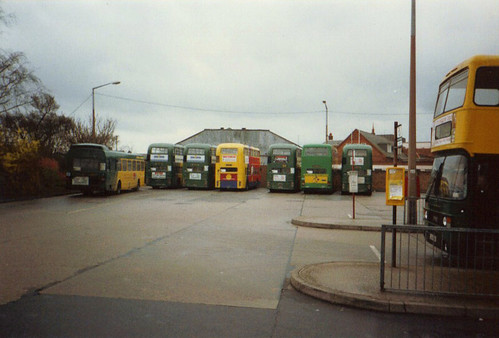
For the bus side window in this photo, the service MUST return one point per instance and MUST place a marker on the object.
(118, 165)
(112, 164)
(129, 165)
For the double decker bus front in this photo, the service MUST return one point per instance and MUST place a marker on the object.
(463, 191)
(158, 165)
(230, 168)
(357, 158)
(199, 167)
(282, 169)
(87, 168)
(317, 165)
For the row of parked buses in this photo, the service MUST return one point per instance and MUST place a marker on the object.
(311, 168)
(203, 166)
(95, 168)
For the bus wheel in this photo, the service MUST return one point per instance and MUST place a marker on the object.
(118, 188)
(138, 185)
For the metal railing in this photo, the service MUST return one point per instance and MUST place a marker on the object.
(419, 209)
(438, 260)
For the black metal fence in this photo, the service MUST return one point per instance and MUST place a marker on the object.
(439, 260)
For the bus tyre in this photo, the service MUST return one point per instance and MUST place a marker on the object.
(118, 188)
(138, 185)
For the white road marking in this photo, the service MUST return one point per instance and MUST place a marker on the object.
(376, 252)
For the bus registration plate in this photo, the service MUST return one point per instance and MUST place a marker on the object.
(279, 178)
(80, 180)
(158, 175)
(195, 176)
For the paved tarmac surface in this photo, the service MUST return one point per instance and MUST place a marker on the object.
(358, 284)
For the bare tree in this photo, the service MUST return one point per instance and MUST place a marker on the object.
(17, 82)
(82, 132)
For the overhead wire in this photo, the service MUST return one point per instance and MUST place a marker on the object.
(247, 112)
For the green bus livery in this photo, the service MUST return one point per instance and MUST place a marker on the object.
(199, 166)
(95, 168)
(164, 165)
(317, 168)
(357, 158)
(284, 167)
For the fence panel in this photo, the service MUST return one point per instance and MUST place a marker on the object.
(438, 260)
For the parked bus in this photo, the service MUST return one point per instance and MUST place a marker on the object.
(199, 166)
(94, 168)
(358, 158)
(237, 167)
(463, 191)
(317, 168)
(284, 167)
(164, 165)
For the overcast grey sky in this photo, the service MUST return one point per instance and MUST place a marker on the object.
(189, 65)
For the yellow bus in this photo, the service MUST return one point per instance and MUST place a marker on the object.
(237, 166)
(94, 168)
(463, 190)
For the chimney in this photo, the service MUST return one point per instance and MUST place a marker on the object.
(373, 130)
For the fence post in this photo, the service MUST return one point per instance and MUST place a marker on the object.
(382, 259)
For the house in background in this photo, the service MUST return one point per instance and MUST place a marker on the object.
(383, 155)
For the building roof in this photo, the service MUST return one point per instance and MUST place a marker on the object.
(260, 138)
(381, 142)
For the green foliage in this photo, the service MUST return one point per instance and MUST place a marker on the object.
(32, 133)
(19, 166)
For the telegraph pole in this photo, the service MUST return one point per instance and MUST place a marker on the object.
(412, 211)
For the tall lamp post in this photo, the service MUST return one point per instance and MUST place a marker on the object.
(326, 118)
(93, 105)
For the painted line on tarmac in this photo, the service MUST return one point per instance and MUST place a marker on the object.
(376, 252)
(80, 210)
(91, 208)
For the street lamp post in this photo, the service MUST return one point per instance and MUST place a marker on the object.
(326, 119)
(93, 105)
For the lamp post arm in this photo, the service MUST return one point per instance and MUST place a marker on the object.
(93, 104)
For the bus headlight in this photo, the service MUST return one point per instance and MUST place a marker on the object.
(446, 221)
(426, 214)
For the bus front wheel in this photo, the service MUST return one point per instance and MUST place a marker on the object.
(118, 188)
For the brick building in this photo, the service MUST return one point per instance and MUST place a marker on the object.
(383, 155)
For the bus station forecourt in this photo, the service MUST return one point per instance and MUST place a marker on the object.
(356, 284)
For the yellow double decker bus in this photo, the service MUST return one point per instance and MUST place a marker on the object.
(464, 188)
(237, 166)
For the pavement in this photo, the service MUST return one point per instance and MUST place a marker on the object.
(357, 284)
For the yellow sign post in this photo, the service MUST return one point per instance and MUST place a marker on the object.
(395, 187)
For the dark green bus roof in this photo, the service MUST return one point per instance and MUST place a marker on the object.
(105, 150)
(199, 145)
(317, 145)
(163, 145)
(356, 146)
(283, 146)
